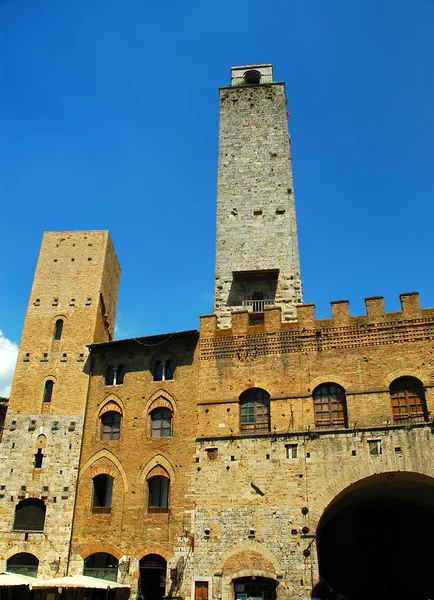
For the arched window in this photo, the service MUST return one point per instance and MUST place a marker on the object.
(30, 515)
(164, 370)
(408, 399)
(114, 375)
(161, 419)
(330, 405)
(110, 425)
(158, 494)
(102, 493)
(23, 563)
(255, 410)
(252, 77)
(48, 390)
(101, 565)
(58, 329)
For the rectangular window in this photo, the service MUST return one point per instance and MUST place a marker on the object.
(375, 448)
(291, 450)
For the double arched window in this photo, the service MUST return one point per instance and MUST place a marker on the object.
(164, 370)
(408, 399)
(30, 515)
(330, 404)
(255, 410)
(114, 375)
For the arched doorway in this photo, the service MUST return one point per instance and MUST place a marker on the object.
(259, 588)
(23, 563)
(152, 583)
(375, 539)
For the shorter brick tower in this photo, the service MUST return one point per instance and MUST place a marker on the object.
(72, 304)
(257, 260)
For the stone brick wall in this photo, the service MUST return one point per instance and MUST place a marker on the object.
(256, 223)
(77, 273)
(253, 493)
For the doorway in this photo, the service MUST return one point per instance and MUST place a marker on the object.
(152, 583)
(375, 539)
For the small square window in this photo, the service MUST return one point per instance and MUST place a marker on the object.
(291, 450)
(375, 448)
(72, 302)
(37, 302)
(55, 301)
(88, 301)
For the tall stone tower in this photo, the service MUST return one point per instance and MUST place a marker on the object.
(257, 259)
(72, 304)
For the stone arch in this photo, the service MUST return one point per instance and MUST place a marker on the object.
(154, 549)
(22, 548)
(390, 377)
(249, 548)
(107, 548)
(91, 462)
(370, 526)
(59, 316)
(167, 400)
(112, 403)
(344, 479)
(336, 378)
(253, 384)
(254, 573)
(158, 461)
(115, 400)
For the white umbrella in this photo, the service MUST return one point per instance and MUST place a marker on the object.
(77, 581)
(14, 579)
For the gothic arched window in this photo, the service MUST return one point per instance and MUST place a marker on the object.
(102, 493)
(161, 419)
(111, 425)
(158, 488)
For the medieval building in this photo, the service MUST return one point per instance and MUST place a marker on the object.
(239, 461)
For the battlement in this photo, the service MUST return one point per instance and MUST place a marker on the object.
(270, 321)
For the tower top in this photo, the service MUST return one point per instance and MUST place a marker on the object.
(252, 74)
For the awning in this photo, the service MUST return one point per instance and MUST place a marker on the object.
(77, 581)
(13, 579)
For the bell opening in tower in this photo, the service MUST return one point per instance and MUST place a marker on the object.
(253, 290)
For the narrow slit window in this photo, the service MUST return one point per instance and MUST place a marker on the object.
(58, 329)
(48, 390)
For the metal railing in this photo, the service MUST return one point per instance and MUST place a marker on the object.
(257, 306)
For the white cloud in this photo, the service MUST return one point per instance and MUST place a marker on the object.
(8, 358)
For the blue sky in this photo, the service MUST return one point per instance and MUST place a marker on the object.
(109, 120)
